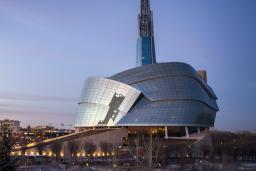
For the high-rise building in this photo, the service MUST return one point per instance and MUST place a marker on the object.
(11, 125)
(145, 43)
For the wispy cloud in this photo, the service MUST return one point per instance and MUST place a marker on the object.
(8, 105)
(32, 109)
(38, 118)
(34, 97)
(32, 113)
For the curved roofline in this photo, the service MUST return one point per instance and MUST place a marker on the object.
(167, 76)
(217, 109)
(205, 85)
(163, 124)
(118, 82)
(159, 63)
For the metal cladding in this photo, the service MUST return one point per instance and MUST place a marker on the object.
(145, 42)
(173, 95)
(162, 94)
(104, 102)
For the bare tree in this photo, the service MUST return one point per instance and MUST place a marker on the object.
(145, 149)
(134, 147)
(40, 148)
(114, 153)
(56, 149)
(106, 147)
(151, 146)
(90, 148)
(7, 163)
(73, 148)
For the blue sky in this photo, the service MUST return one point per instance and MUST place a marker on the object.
(48, 48)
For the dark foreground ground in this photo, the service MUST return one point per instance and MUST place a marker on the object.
(198, 166)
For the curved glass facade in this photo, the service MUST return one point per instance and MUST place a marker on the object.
(169, 113)
(174, 95)
(175, 88)
(104, 102)
(162, 94)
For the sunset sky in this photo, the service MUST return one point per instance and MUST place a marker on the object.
(48, 48)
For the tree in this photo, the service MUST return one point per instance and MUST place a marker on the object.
(145, 148)
(114, 153)
(73, 148)
(7, 163)
(111, 149)
(151, 147)
(134, 149)
(40, 148)
(106, 147)
(90, 148)
(56, 149)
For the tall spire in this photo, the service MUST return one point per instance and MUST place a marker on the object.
(145, 19)
(145, 43)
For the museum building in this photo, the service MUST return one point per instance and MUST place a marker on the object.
(172, 96)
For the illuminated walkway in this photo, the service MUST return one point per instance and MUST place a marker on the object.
(65, 138)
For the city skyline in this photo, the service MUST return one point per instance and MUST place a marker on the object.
(48, 49)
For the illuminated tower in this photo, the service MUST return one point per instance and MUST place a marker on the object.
(145, 43)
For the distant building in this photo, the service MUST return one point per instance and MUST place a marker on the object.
(43, 129)
(12, 125)
(39, 133)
